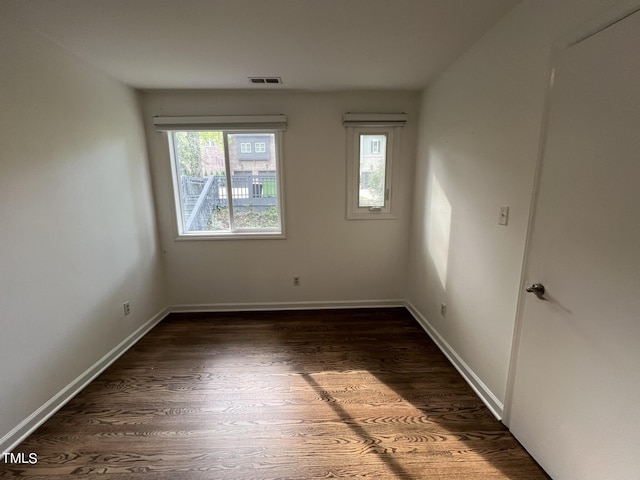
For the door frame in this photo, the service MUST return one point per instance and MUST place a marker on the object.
(603, 21)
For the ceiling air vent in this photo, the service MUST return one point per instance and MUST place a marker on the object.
(265, 80)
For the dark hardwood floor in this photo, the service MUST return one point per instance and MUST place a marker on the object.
(278, 395)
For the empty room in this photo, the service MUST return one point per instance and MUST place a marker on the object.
(300, 239)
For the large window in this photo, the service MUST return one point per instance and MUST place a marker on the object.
(370, 150)
(219, 194)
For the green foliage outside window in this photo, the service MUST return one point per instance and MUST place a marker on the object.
(189, 147)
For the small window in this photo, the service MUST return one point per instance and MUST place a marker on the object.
(372, 144)
(215, 195)
(372, 167)
(261, 147)
(245, 147)
(369, 172)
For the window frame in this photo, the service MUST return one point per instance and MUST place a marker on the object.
(232, 233)
(354, 211)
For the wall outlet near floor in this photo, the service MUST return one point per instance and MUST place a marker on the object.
(126, 307)
(443, 310)
(296, 281)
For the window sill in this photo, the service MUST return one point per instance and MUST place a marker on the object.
(371, 216)
(231, 236)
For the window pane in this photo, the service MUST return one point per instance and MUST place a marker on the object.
(254, 183)
(200, 158)
(202, 166)
(373, 165)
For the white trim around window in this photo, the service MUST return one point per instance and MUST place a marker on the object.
(370, 171)
(364, 200)
(211, 202)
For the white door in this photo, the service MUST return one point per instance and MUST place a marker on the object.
(575, 398)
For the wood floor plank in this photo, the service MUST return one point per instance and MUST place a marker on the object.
(278, 395)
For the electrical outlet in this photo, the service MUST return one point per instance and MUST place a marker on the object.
(126, 307)
(443, 310)
(296, 281)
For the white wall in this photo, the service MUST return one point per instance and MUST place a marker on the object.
(77, 228)
(337, 260)
(478, 147)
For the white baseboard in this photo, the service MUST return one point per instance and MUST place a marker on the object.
(486, 395)
(320, 305)
(55, 403)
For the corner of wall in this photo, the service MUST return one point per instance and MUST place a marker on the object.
(495, 406)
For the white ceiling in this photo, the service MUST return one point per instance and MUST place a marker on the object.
(311, 44)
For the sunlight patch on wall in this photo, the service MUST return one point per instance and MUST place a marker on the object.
(439, 229)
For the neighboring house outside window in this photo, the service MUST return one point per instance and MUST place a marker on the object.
(375, 146)
(253, 147)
